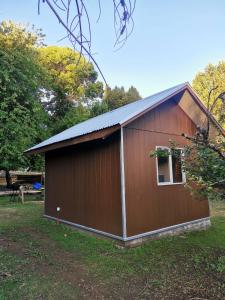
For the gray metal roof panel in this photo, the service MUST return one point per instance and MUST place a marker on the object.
(111, 118)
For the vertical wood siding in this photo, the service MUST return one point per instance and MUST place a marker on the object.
(84, 181)
(149, 206)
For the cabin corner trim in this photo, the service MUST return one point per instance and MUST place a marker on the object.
(122, 182)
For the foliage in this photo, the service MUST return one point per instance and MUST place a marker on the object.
(205, 155)
(22, 117)
(114, 98)
(71, 117)
(209, 84)
(118, 97)
(18, 36)
(98, 108)
(205, 167)
(44, 90)
(71, 75)
(72, 86)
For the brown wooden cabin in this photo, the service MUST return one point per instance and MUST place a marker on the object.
(101, 178)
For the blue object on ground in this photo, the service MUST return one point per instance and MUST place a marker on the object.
(37, 185)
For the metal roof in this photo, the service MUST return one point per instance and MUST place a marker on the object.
(115, 117)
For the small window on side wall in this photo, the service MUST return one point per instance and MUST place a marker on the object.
(169, 166)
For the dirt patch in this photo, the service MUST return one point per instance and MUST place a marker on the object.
(217, 209)
(8, 213)
(46, 258)
(12, 247)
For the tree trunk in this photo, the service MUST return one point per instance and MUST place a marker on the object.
(8, 178)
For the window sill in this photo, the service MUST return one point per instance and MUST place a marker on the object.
(171, 183)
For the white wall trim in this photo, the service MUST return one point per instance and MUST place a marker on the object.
(130, 238)
(122, 182)
(85, 228)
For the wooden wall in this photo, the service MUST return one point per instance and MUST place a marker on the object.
(84, 180)
(149, 206)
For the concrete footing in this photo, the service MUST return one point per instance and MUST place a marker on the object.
(201, 224)
(134, 241)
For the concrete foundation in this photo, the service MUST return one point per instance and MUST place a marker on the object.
(137, 240)
(201, 224)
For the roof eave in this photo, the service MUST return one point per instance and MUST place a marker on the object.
(98, 134)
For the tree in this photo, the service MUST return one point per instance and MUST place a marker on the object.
(132, 94)
(209, 84)
(98, 108)
(18, 36)
(74, 93)
(205, 165)
(205, 155)
(73, 15)
(118, 97)
(73, 116)
(22, 117)
(73, 86)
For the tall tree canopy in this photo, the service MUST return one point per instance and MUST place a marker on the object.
(70, 73)
(73, 86)
(44, 90)
(205, 159)
(22, 118)
(117, 96)
(209, 84)
(18, 36)
(114, 98)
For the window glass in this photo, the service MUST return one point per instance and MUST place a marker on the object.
(177, 166)
(163, 166)
(170, 165)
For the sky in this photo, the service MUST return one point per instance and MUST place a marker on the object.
(172, 39)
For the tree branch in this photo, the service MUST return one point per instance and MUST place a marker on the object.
(70, 16)
(207, 144)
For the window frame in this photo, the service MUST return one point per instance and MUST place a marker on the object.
(170, 167)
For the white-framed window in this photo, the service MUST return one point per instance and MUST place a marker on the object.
(169, 166)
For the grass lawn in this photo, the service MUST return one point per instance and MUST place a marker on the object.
(42, 260)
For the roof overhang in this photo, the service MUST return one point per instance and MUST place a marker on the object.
(99, 134)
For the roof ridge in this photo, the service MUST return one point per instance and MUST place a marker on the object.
(138, 100)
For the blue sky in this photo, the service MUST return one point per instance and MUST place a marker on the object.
(172, 40)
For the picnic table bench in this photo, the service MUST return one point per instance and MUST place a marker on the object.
(20, 188)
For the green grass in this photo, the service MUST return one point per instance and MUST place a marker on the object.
(44, 256)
